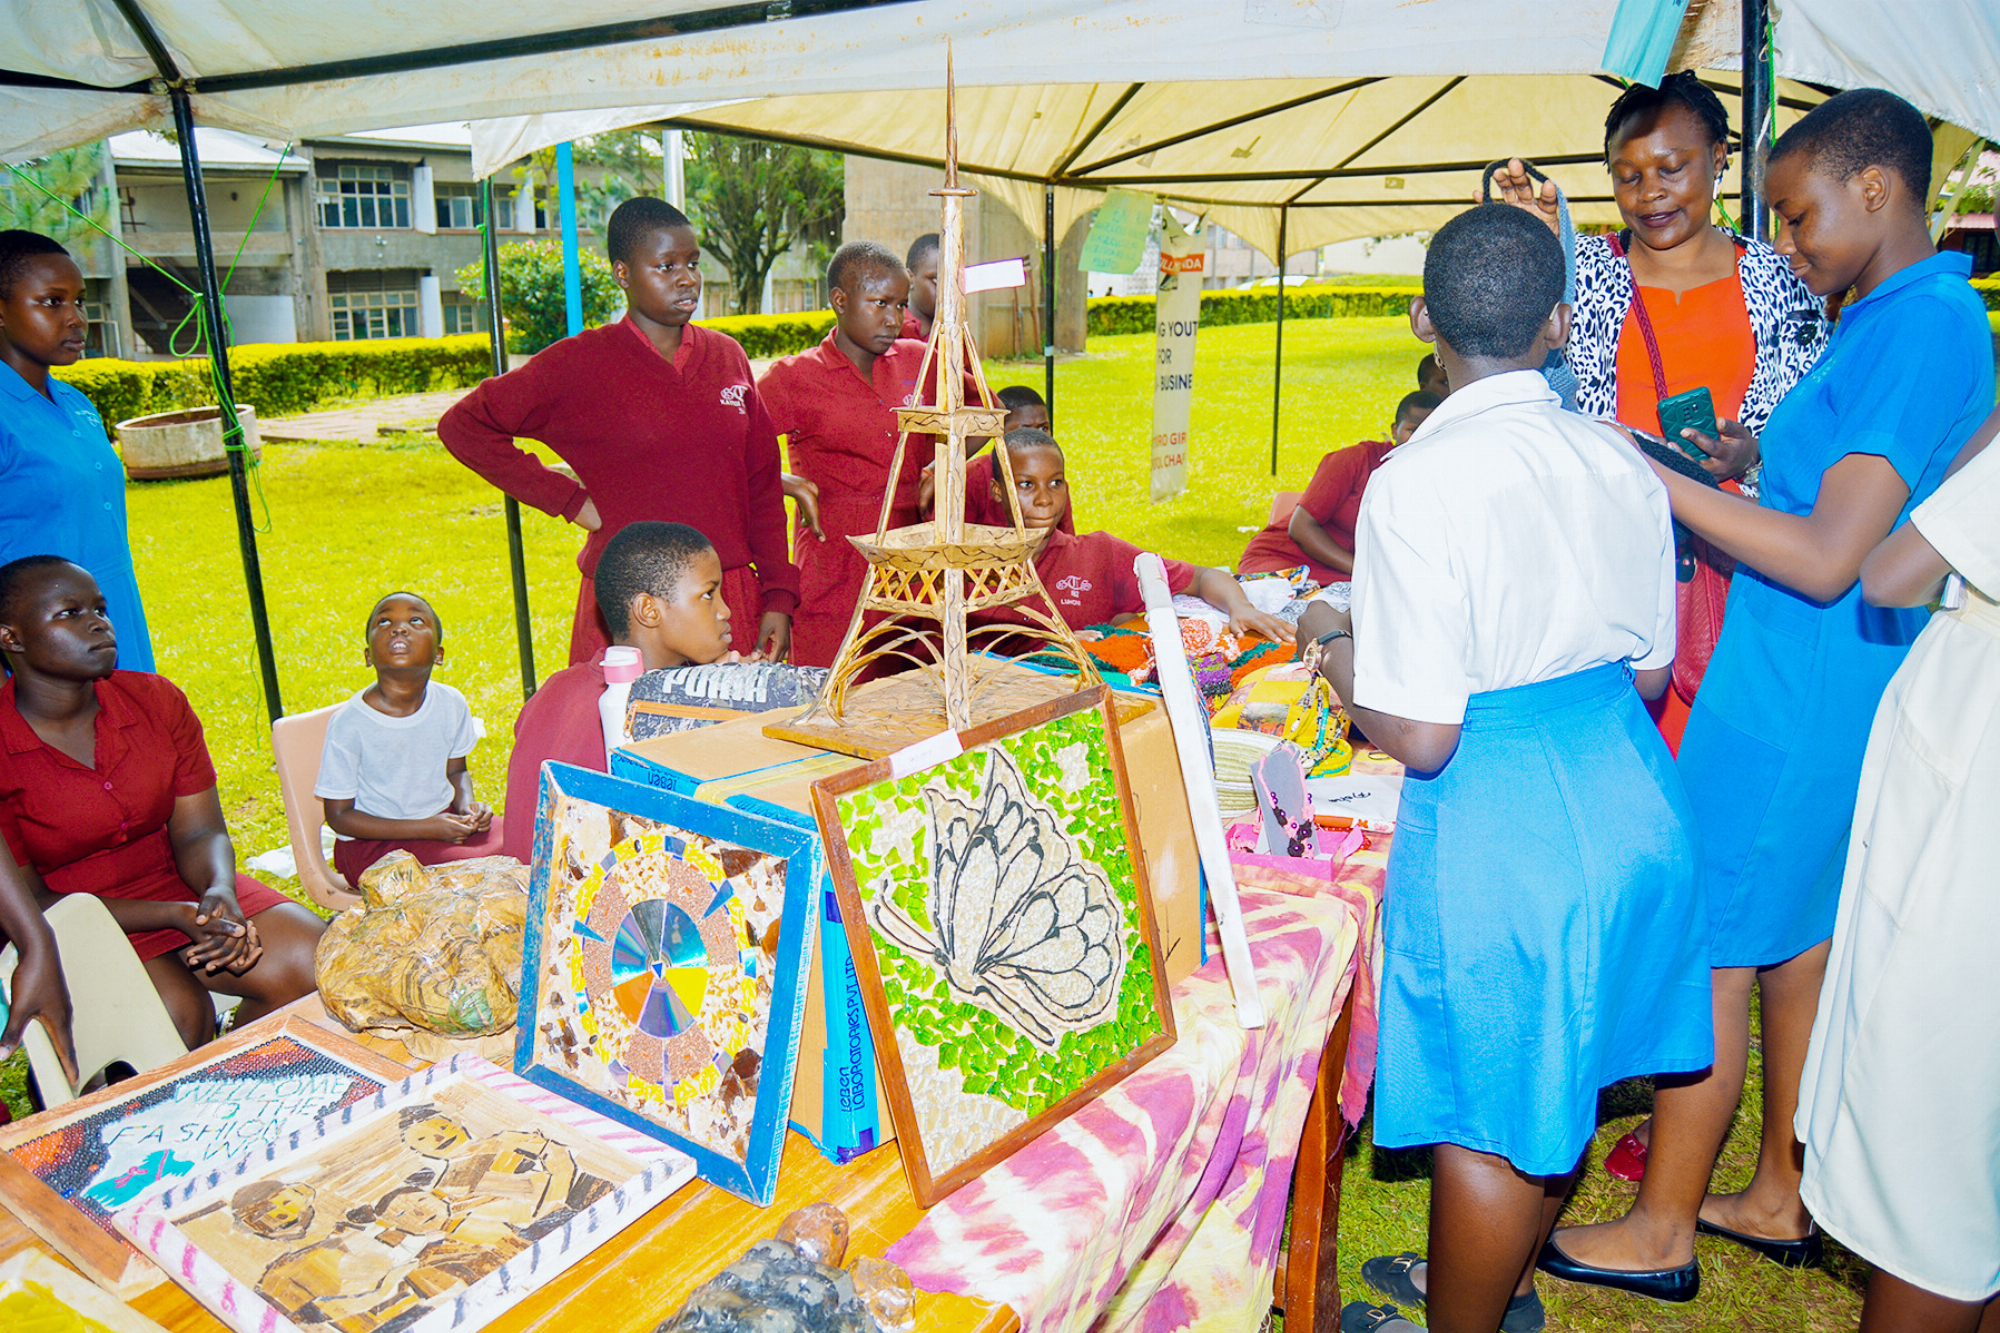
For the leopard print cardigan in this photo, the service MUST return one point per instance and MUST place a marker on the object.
(1788, 322)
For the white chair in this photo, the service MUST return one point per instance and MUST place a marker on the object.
(296, 742)
(116, 1015)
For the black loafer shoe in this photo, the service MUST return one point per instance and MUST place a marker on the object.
(1806, 1253)
(1664, 1284)
(1390, 1275)
(1361, 1317)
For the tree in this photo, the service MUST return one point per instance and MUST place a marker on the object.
(75, 176)
(752, 200)
(532, 300)
(629, 164)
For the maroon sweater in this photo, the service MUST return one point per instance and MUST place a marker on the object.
(686, 441)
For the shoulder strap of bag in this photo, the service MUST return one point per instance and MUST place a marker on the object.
(1645, 325)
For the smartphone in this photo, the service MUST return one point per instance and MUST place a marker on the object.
(1694, 408)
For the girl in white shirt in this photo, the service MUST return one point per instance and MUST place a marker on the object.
(1544, 937)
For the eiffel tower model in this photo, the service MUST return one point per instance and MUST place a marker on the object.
(925, 580)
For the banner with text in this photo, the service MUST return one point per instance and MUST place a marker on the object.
(1182, 253)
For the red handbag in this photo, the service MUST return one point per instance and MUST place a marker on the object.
(1702, 571)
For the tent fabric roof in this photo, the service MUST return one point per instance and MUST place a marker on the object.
(245, 57)
(1325, 106)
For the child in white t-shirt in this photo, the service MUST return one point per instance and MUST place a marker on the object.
(393, 772)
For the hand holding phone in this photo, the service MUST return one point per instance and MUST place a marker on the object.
(1694, 409)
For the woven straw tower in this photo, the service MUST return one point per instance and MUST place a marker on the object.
(926, 579)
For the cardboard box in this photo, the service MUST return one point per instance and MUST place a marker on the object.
(837, 1099)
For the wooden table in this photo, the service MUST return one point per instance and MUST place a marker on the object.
(642, 1274)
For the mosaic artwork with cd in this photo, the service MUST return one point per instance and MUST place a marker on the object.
(663, 982)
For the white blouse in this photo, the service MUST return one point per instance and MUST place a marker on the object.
(1508, 542)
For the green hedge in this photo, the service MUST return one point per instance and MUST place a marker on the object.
(765, 336)
(283, 379)
(1134, 314)
(1989, 291)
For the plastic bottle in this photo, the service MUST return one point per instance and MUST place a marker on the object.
(622, 666)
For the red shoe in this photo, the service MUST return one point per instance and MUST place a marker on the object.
(1626, 1160)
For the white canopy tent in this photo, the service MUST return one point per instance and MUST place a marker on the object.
(1293, 122)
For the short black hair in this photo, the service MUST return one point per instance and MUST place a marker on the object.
(1427, 365)
(1420, 401)
(17, 576)
(858, 259)
(1017, 396)
(17, 250)
(437, 620)
(638, 217)
(1491, 277)
(1683, 89)
(1023, 438)
(1864, 127)
(922, 246)
(643, 557)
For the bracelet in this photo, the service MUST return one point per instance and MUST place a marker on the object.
(1332, 634)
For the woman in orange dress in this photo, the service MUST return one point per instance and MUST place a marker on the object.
(1726, 311)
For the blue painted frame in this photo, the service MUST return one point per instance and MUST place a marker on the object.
(757, 1178)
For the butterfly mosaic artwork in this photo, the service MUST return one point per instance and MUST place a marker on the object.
(1003, 932)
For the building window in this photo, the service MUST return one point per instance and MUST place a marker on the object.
(372, 305)
(791, 296)
(364, 196)
(462, 314)
(457, 207)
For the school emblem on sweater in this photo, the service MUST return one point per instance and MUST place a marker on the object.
(732, 396)
(1072, 587)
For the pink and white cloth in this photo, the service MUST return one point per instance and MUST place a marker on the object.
(1161, 1205)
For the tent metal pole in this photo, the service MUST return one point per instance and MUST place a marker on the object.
(215, 334)
(566, 203)
(1278, 352)
(1756, 117)
(1049, 298)
(517, 556)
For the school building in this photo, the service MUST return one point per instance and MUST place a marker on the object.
(345, 237)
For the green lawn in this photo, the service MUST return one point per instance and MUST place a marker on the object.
(351, 521)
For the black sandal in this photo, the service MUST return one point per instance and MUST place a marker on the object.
(1390, 1275)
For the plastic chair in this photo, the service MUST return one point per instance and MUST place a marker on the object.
(117, 1016)
(1282, 505)
(297, 742)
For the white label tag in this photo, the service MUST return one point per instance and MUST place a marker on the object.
(926, 753)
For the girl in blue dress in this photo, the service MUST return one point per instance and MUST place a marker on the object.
(1772, 755)
(62, 489)
(1543, 929)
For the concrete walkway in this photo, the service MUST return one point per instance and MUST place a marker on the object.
(364, 421)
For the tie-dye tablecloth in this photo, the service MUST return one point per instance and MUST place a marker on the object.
(1160, 1206)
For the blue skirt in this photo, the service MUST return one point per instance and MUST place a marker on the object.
(1544, 935)
(1772, 760)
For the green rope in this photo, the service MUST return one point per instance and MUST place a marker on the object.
(225, 401)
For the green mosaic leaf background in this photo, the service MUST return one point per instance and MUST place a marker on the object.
(993, 1059)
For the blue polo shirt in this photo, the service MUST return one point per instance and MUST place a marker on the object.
(62, 492)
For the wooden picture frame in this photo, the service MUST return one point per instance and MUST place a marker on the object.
(64, 1172)
(437, 1205)
(664, 977)
(980, 1054)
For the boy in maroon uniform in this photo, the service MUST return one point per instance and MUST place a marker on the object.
(659, 590)
(836, 406)
(659, 419)
(923, 266)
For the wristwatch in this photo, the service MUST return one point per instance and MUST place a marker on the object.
(1332, 634)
